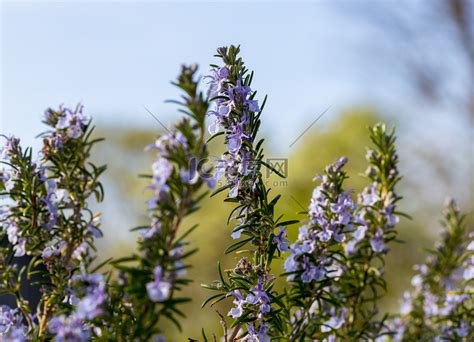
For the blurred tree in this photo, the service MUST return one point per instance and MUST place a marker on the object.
(427, 46)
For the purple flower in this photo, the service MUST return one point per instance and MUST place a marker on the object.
(359, 233)
(452, 301)
(257, 335)
(391, 218)
(93, 227)
(246, 165)
(468, 273)
(162, 170)
(369, 197)
(53, 199)
(231, 112)
(73, 122)
(53, 248)
(155, 228)
(281, 241)
(218, 78)
(291, 265)
(11, 323)
(8, 181)
(81, 251)
(214, 127)
(11, 148)
(239, 301)
(258, 296)
(325, 234)
(158, 290)
(168, 141)
(351, 247)
(335, 322)
(311, 272)
(430, 305)
(89, 306)
(235, 137)
(406, 306)
(236, 234)
(69, 329)
(20, 247)
(397, 327)
(463, 329)
(13, 232)
(343, 208)
(377, 241)
(234, 191)
(253, 106)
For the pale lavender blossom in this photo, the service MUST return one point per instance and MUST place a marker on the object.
(258, 296)
(377, 242)
(158, 338)
(81, 251)
(464, 329)
(9, 180)
(228, 97)
(312, 272)
(72, 122)
(335, 322)
(20, 247)
(239, 301)
(93, 227)
(11, 147)
(90, 305)
(9, 319)
(359, 233)
(430, 304)
(291, 265)
(257, 335)
(69, 329)
(158, 290)
(53, 248)
(281, 240)
(162, 169)
(155, 228)
(406, 305)
(369, 197)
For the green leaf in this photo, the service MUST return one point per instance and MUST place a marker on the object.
(237, 245)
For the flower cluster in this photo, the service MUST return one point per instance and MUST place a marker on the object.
(68, 124)
(333, 255)
(374, 221)
(377, 201)
(12, 327)
(237, 112)
(330, 217)
(256, 296)
(148, 289)
(46, 216)
(22, 169)
(87, 298)
(441, 302)
(315, 265)
(234, 111)
(158, 290)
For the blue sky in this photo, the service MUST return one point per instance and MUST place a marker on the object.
(118, 57)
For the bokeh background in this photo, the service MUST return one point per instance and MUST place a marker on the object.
(407, 63)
